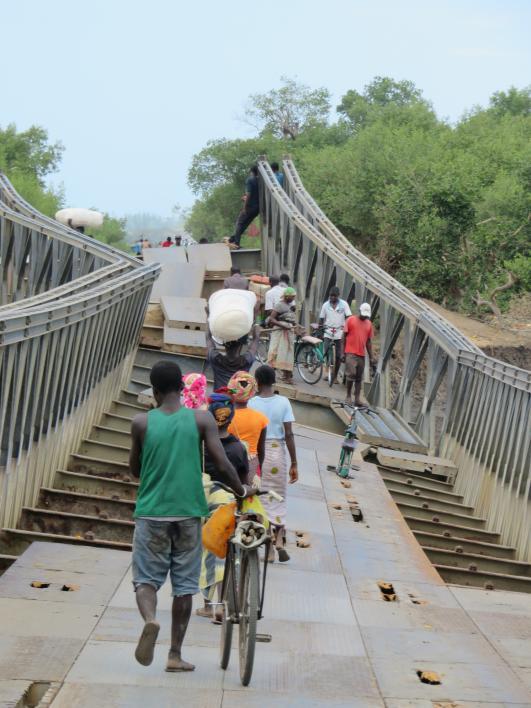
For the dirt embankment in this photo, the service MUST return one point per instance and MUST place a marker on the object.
(508, 340)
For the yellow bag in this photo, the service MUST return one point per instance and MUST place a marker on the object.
(219, 528)
(255, 506)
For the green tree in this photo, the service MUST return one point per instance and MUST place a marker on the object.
(515, 101)
(112, 232)
(288, 111)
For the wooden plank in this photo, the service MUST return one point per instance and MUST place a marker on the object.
(214, 257)
(178, 280)
(184, 312)
(416, 462)
(152, 336)
(154, 316)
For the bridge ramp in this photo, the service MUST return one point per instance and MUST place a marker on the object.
(335, 640)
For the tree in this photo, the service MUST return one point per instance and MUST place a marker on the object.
(515, 101)
(112, 232)
(287, 111)
(383, 95)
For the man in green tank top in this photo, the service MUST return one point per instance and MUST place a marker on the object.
(166, 456)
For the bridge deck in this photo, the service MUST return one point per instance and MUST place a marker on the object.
(336, 642)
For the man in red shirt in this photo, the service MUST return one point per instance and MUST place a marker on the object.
(358, 336)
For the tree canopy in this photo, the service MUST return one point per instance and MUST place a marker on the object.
(444, 208)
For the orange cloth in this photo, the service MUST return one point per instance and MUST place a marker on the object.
(358, 332)
(247, 425)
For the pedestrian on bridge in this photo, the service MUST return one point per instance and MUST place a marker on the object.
(237, 357)
(280, 444)
(236, 280)
(282, 343)
(250, 210)
(165, 455)
(334, 314)
(358, 339)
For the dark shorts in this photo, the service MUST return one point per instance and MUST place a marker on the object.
(162, 547)
(354, 367)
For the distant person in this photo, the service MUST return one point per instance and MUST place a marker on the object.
(358, 339)
(178, 240)
(146, 243)
(166, 456)
(167, 242)
(250, 210)
(237, 357)
(280, 461)
(334, 313)
(236, 280)
(278, 174)
(137, 247)
(203, 240)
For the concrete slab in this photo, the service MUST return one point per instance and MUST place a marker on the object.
(184, 312)
(178, 280)
(255, 699)
(11, 692)
(184, 341)
(70, 558)
(38, 658)
(164, 256)
(45, 619)
(214, 257)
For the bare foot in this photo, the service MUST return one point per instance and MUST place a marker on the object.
(204, 612)
(175, 663)
(146, 644)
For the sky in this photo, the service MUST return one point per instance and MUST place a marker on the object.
(133, 89)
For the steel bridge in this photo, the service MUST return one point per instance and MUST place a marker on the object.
(71, 370)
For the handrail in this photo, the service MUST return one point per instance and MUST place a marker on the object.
(70, 319)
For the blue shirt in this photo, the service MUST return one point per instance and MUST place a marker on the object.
(279, 411)
(280, 178)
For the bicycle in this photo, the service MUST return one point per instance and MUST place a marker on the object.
(242, 594)
(330, 351)
(349, 442)
(308, 354)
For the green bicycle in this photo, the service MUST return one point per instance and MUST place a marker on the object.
(309, 357)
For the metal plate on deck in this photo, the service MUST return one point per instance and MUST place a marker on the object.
(214, 257)
(415, 462)
(179, 280)
(184, 312)
(383, 428)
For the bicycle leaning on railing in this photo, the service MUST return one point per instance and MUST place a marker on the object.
(349, 441)
(242, 591)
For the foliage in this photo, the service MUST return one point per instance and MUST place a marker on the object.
(289, 110)
(445, 209)
(27, 158)
(112, 232)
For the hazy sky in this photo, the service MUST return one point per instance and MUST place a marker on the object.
(133, 89)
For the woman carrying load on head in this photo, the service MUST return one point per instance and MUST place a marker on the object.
(212, 567)
(282, 343)
(248, 425)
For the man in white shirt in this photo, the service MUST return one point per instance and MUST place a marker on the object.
(334, 314)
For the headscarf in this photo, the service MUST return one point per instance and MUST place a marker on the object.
(288, 291)
(242, 386)
(194, 391)
(222, 408)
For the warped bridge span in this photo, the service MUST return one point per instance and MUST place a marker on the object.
(465, 405)
(71, 310)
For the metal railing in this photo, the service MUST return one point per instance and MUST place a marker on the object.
(464, 404)
(71, 310)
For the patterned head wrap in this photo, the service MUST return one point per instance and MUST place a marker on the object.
(242, 387)
(194, 391)
(222, 408)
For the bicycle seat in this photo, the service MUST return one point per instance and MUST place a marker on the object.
(309, 339)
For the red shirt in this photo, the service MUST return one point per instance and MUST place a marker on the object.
(358, 332)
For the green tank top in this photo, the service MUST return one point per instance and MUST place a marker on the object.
(171, 473)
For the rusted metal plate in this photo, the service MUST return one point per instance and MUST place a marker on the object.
(416, 462)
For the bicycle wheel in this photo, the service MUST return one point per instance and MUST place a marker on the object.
(262, 350)
(249, 603)
(228, 598)
(331, 363)
(309, 364)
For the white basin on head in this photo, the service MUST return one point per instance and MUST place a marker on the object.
(74, 217)
(231, 313)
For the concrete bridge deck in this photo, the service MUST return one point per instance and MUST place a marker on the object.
(336, 642)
